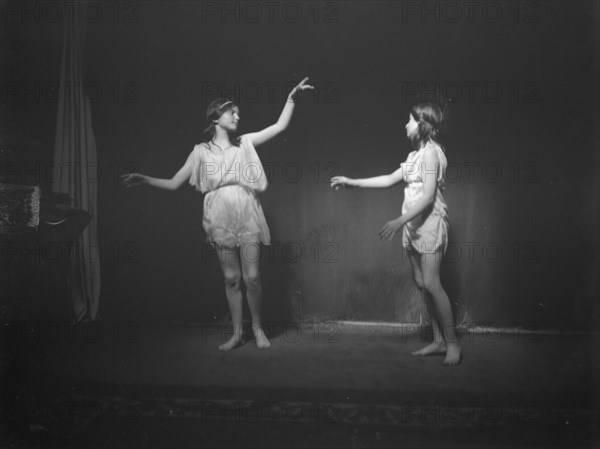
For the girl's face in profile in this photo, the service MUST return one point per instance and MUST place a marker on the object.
(229, 119)
(411, 126)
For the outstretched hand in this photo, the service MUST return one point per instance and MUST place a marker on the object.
(298, 89)
(340, 181)
(133, 179)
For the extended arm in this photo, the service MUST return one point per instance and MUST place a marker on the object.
(377, 182)
(269, 132)
(136, 179)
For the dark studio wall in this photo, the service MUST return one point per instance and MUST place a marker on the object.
(522, 184)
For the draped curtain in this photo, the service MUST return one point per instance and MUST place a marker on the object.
(75, 158)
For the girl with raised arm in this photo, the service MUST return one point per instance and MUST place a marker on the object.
(227, 169)
(424, 221)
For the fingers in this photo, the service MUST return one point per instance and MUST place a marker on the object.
(302, 86)
(387, 233)
(306, 86)
(131, 179)
(337, 182)
(299, 89)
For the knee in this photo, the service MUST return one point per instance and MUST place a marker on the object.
(232, 280)
(431, 284)
(252, 281)
(419, 282)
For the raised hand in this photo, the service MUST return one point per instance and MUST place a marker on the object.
(134, 179)
(298, 89)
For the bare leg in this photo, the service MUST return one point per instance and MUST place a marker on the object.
(232, 274)
(250, 255)
(430, 267)
(438, 346)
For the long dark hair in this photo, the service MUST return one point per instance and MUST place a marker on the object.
(432, 120)
(216, 109)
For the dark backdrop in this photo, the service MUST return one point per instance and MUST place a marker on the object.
(522, 184)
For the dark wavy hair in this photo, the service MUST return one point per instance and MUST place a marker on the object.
(216, 109)
(432, 121)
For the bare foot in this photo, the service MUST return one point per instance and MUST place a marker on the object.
(262, 342)
(435, 348)
(232, 343)
(452, 355)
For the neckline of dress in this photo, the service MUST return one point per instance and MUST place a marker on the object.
(210, 146)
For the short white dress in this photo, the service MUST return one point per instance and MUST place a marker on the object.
(231, 180)
(428, 232)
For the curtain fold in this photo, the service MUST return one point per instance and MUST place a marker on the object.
(78, 173)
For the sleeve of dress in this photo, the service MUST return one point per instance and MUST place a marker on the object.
(253, 174)
(196, 176)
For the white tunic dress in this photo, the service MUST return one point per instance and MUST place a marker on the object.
(428, 232)
(231, 180)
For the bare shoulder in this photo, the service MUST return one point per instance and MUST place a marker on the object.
(245, 138)
(431, 150)
(433, 145)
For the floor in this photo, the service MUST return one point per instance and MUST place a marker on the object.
(134, 385)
